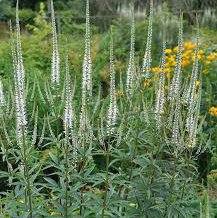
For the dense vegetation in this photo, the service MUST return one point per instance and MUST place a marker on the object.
(126, 128)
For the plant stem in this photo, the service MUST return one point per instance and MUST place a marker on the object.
(82, 177)
(107, 154)
(28, 193)
(66, 172)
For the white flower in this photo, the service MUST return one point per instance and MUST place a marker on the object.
(147, 57)
(87, 64)
(112, 111)
(131, 66)
(160, 98)
(19, 79)
(68, 110)
(2, 97)
(55, 68)
(174, 92)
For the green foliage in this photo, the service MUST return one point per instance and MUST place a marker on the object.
(137, 172)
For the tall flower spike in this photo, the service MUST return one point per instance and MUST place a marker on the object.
(112, 111)
(175, 86)
(19, 85)
(2, 97)
(160, 98)
(147, 56)
(20, 67)
(131, 67)
(191, 95)
(55, 69)
(193, 128)
(175, 127)
(68, 111)
(87, 64)
(13, 49)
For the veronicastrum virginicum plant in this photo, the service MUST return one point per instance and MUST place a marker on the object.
(120, 159)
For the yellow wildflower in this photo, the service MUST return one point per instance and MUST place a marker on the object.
(207, 62)
(211, 57)
(168, 51)
(205, 71)
(213, 111)
(156, 69)
(189, 45)
(167, 65)
(167, 70)
(198, 83)
(201, 52)
(175, 49)
(185, 63)
(146, 84)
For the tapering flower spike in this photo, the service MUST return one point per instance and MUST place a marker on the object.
(193, 127)
(55, 68)
(194, 75)
(160, 98)
(19, 79)
(19, 61)
(174, 92)
(147, 57)
(193, 98)
(87, 64)
(131, 66)
(13, 48)
(176, 123)
(2, 97)
(113, 110)
(68, 110)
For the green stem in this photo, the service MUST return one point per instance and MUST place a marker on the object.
(28, 193)
(82, 177)
(107, 154)
(66, 172)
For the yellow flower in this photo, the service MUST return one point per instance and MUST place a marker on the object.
(207, 62)
(167, 70)
(156, 69)
(146, 84)
(189, 45)
(200, 57)
(205, 71)
(185, 63)
(173, 63)
(198, 83)
(213, 111)
(211, 57)
(201, 52)
(168, 51)
(187, 53)
(167, 65)
(175, 49)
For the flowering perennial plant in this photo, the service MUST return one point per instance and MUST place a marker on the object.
(141, 167)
